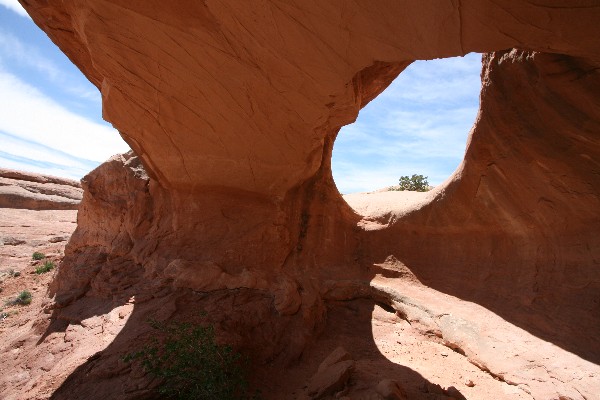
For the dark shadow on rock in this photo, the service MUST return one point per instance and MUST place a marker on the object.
(349, 324)
(544, 306)
(515, 229)
(246, 319)
(74, 305)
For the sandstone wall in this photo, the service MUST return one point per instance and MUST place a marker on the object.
(515, 228)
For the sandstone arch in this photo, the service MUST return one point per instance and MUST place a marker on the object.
(258, 87)
(233, 109)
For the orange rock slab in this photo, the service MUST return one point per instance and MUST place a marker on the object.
(25, 190)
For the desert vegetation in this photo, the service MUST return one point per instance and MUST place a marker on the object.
(191, 364)
(46, 267)
(23, 299)
(416, 183)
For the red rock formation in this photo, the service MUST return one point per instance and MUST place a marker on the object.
(515, 227)
(38, 192)
(244, 96)
(233, 109)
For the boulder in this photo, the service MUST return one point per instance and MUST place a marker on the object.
(336, 356)
(390, 389)
(330, 380)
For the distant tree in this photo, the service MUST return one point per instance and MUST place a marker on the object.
(417, 183)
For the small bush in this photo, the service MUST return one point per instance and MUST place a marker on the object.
(47, 267)
(23, 299)
(191, 365)
(38, 256)
(417, 183)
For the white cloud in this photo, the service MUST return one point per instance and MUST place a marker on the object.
(15, 6)
(27, 113)
(47, 134)
(65, 172)
(92, 94)
(385, 173)
(14, 53)
(25, 155)
(22, 148)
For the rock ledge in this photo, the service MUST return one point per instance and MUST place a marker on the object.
(32, 191)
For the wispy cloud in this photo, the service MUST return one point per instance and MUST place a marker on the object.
(13, 51)
(28, 114)
(16, 56)
(27, 155)
(417, 125)
(15, 6)
(85, 93)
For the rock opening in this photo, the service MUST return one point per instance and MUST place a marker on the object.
(418, 125)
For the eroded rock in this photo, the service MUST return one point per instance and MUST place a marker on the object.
(38, 192)
(11, 241)
(330, 380)
(338, 355)
(389, 389)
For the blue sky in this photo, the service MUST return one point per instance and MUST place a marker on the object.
(50, 116)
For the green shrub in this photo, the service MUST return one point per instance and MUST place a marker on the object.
(191, 365)
(47, 267)
(38, 256)
(23, 299)
(417, 183)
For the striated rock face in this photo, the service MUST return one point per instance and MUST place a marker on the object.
(233, 108)
(246, 96)
(38, 192)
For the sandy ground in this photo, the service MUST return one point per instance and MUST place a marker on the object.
(382, 207)
(384, 346)
(23, 232)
